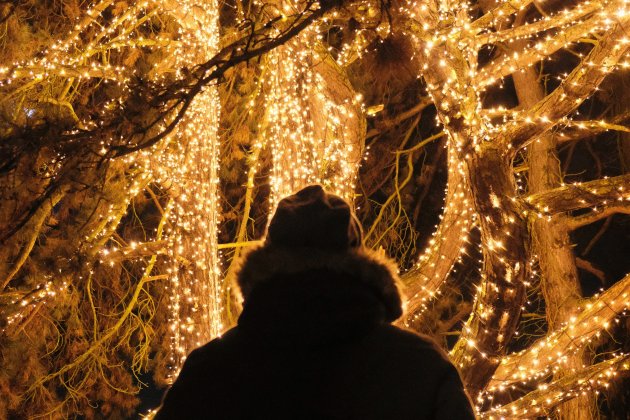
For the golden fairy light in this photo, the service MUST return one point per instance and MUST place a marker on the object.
(190, 170)
(314, 130)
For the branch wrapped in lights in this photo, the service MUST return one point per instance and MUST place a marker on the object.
(549, 396)
(599, 193)
(315, 127)
(548, 353)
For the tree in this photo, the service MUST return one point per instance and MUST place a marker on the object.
(144, 144)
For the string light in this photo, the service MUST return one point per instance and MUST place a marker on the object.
(191, 171)
(454, 85)
(314, 132)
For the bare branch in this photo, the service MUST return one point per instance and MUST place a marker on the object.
(588, 266)
(398, 118)
(586, 219)
(31, 230)
(578, 130)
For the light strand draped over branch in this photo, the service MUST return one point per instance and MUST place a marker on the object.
(573, 90)
(541, 401)
(542, 355)
(604, 192)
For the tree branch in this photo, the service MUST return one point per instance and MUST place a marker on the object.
(586, 219)
(541, 401)
(382, 126)
(607, 192)
(444, 249)
(500, 12)
(547, 354)
(140, 250)
(31, 226)
(506, 65)
(578, 130)
(576, 87)
(588, 266)
(544, 24)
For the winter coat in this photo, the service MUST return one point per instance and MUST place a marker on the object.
(317, 344)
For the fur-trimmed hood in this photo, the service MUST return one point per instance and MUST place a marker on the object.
(373, 270)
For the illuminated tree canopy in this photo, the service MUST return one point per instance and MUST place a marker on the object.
(485, 146)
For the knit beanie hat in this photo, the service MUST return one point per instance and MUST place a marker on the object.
(314, 230)
(314, 218)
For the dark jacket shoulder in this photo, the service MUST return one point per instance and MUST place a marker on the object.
(317, 346)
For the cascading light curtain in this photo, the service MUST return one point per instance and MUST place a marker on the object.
(313, 125)
(191, 172)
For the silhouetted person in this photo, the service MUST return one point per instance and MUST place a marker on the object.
(314, 340)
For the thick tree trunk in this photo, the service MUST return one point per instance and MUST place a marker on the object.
(551, 242)
(501, 295)
(487, 168)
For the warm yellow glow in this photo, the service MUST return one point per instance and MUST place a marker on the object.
(190, 171)
(308, 131)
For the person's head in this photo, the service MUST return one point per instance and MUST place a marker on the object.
(314, 218)
(314, 230)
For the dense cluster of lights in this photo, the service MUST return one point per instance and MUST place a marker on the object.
(186, 163)
(571, 25)
(72, 59)
(456, 95)
(549, 353)
(190, 170)
(312, 135)
(546, 398)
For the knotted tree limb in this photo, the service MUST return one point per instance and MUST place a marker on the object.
(542, 357)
